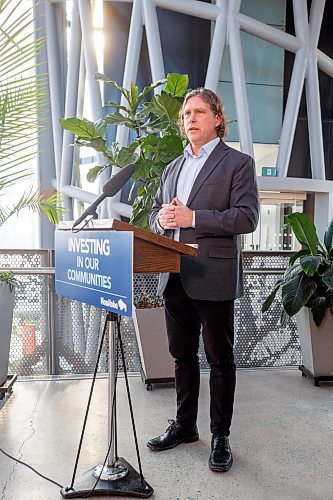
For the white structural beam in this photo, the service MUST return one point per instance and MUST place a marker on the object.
(132, 59)
(217, 46)
(238, 79)
(191, 7)
(153, 40)
(325, 63)
(228, 22)
(269, 33)
(71, 99)
(313, 93)
(55, 82)
(295, 89)
(90, 58)
(130, 74)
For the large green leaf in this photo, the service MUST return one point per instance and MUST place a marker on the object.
(318, 310)
(304, 230)
(269, 300)
(328, 237)
(164, 105)
(133, 97)
(100, 127)
(310, 263)
(284, 318)
(176, 84)
(81, 128)
(113, 104)
(149, 89)
(292, 271)
(94, 172)
(327, 277)
(117, 118)
(129, 154)
(297, 255)
(169, 148)
(97, 143)
(156, 124)
(296, 293)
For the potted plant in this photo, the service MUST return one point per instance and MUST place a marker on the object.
(20, 105)
(156, 138)
(307, 293)
(156, 141)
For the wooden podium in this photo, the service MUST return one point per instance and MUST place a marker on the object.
(152, 254)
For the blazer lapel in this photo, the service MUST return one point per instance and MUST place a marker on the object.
(175, 175)
(213, 160)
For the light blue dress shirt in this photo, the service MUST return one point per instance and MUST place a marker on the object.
(189, 172)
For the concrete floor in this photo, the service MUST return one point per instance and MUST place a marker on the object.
(282, 438)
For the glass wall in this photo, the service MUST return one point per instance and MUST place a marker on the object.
(264, 70)
(264, 73)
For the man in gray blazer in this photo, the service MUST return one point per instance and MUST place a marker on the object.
(208, 197)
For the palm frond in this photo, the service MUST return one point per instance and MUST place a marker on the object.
(21, 91)
(48, 202)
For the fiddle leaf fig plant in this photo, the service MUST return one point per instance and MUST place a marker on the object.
(308, 280)
(156, 142)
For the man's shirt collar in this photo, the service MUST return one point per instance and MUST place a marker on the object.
(203, 151)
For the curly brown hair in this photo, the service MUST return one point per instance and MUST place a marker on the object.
(215, 105)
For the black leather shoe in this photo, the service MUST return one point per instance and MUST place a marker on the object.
(173, 436)
(220, 459)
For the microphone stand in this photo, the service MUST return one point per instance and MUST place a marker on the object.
(114, 469)
(115, 476)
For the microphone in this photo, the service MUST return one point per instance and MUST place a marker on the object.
(110, 188)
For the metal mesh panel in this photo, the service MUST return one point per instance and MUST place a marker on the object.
(260, 339)
(77, 327)
(79, 332)
(23, 258)
(29, 344)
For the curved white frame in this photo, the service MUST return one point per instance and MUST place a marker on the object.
(228, 22)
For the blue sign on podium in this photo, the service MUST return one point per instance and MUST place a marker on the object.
(96, 267)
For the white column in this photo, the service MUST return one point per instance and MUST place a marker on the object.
(238, 79)
(313, 94)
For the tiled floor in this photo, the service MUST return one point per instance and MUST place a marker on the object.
(282, 438)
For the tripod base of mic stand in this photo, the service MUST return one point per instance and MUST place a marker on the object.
(130, 485)
(111, 472)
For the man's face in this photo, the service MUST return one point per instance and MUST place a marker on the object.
(199, 122)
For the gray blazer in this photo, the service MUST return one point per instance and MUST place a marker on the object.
(226, 203)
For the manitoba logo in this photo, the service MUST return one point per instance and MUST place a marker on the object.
(109, 303)
(121, 305)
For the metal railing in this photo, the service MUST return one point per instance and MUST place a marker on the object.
(56, 335)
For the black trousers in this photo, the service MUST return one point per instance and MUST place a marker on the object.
(184, 319)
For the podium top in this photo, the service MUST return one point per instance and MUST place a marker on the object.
(152, 252)
(144, 234)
